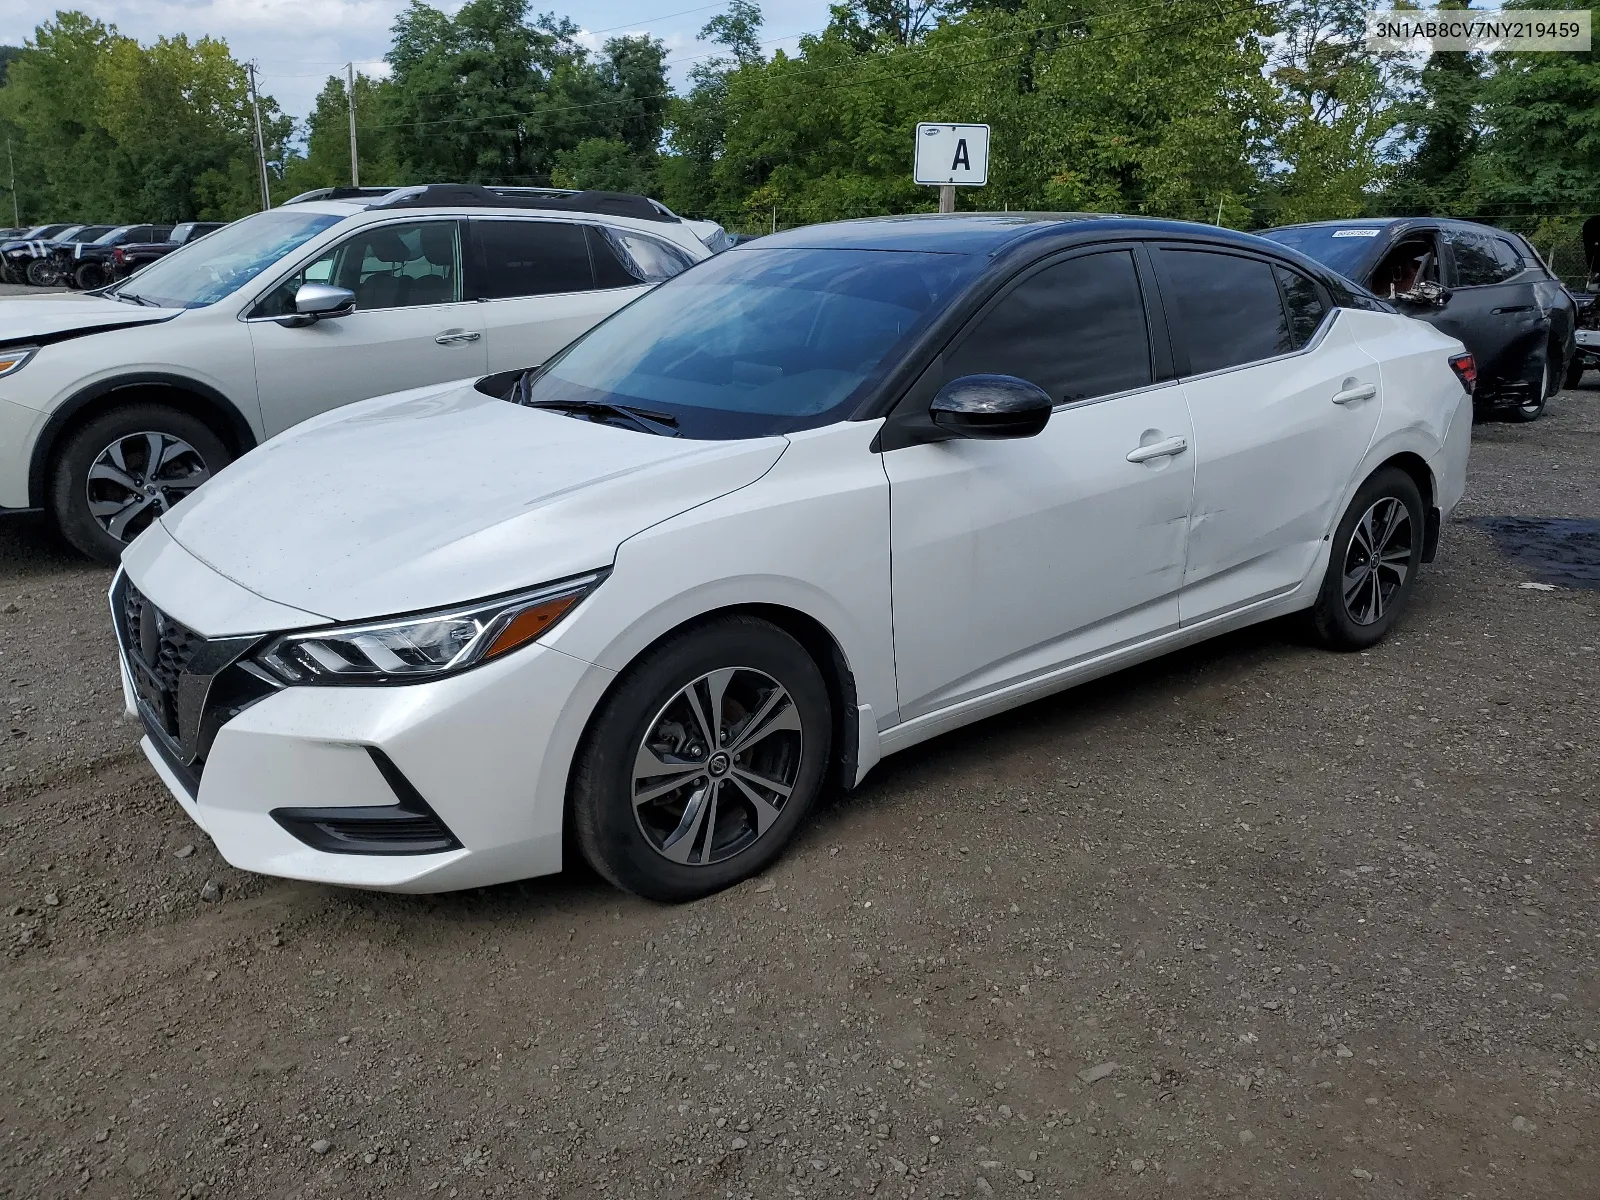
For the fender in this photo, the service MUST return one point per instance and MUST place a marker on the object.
(235, 429)
(1411, 439)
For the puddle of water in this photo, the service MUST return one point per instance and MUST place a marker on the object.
(1556, 550)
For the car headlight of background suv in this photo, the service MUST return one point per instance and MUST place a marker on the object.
(14, 358)
(424, 645)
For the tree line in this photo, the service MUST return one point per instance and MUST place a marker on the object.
(1244, 112)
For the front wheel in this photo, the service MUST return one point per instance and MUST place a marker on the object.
(123, 469)
(703, 762)
(1377, 551)
(1574, 375)
(42, 273)
(89, 276)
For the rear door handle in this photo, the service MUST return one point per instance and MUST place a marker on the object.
(451, 336)
(1350, 395)
(1173, 445)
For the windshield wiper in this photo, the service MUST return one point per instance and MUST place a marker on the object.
(651, 422)
(135, 299)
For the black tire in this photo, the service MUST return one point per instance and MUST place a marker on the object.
(642, 703)
(70, 484)
(1532, 408)
(1574, 375)
(41, 273)
(1340, 624)
(10, 275)
(89, 276)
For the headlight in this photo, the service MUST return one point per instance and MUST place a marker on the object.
(424, 646)
(15, 358)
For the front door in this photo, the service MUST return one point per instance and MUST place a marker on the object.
(1010, 558)
(1285, 404)
(410, 326)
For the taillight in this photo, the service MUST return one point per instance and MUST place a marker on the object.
(117, 256)
(1466, 369)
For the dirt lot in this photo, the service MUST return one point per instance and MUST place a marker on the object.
(1256, 921)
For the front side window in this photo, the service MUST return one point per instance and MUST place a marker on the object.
(532, 258)
(1413, 260)
(759, 341)
(206, 271)
(1076, 328)
(1476, 259)
(1306, 307)
(1228, 309)
(386, 266)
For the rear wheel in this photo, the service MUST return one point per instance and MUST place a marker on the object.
(704, 761)
(1531, 408)
(1377, 551)
(123, 469)
(89, 276)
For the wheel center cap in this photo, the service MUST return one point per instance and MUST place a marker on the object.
(719, 764)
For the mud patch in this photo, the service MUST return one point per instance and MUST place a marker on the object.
(1556, 550)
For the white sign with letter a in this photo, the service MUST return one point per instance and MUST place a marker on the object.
(957, 154)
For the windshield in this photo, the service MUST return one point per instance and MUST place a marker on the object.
(758, 341)
(221, 263)
(1344, 248)
(87, 234)
(107, 237)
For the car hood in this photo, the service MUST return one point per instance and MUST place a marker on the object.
(62, 315)
(440, 495)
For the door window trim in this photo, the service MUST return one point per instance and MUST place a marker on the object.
(339, 240)
(1180, 349)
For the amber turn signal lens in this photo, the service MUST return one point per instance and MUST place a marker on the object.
(530, 623)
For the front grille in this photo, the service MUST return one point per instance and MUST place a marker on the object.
(188, 686)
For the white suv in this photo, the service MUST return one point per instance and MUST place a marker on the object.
(116, 405)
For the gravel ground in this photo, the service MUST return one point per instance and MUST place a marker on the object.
(1255, 920)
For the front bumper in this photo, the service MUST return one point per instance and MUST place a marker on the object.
(20, 427)
(486, 752)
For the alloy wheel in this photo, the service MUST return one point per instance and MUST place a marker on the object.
(138, 477)
(1377, 560)
(716, 766)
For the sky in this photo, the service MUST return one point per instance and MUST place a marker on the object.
(297, 44)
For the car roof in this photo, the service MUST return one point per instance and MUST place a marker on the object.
(1393, 222)
(992, 233)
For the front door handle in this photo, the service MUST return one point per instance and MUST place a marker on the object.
(451, 336)
(1166, 449)
(1351, 394)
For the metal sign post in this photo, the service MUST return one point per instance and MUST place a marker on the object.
(951, 156)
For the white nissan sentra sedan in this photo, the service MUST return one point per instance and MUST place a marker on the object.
(813, 501)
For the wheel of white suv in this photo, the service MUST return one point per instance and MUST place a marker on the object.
(1372, 570)
(704, 761)
(123, 469)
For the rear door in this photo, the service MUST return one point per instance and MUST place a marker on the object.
(411, 325)
(1492, 308)
(1284, 403)
(539, 284)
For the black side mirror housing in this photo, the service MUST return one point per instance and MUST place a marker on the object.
(990, 407)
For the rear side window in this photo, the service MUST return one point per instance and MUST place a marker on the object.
(1077, 329)
(1306, 308)
(532, 258)
(1228, 309)
(1481, 259)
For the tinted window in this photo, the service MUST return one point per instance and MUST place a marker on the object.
(1508, 256)
(532, 258)
(386, 266)
(1306, 308)
(1077, 329)
(758, 341)
(1228, 309)
(1477, 261)
(650, 258)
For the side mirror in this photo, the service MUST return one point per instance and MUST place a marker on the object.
(1426, 292)
(991, 407)
(320, 302)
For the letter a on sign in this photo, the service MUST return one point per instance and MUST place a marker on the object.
(957, 154)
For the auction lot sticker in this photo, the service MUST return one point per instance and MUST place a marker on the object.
(1414, 31)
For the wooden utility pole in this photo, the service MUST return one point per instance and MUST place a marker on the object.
(355, 162)
(261, 145)
(16, 218)
(947, 197)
